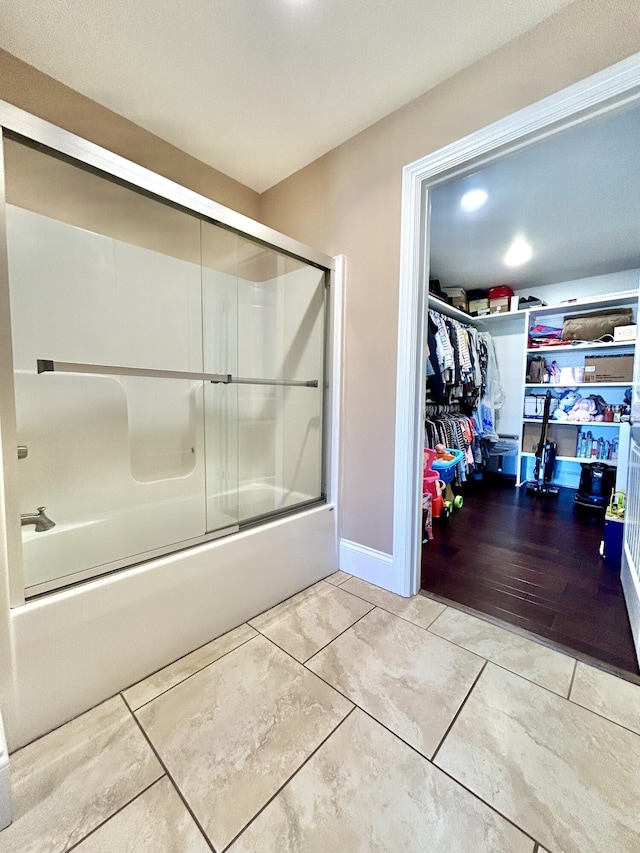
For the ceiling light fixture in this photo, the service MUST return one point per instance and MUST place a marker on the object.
(473, 200)
(518, 253)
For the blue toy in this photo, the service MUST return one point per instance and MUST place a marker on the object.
(566, 402)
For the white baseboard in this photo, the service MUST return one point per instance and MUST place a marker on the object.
(370, 565)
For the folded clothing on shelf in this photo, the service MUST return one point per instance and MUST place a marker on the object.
(543, 336)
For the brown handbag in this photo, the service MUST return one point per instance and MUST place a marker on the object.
(596, 324)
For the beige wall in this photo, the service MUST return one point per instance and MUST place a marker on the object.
(29, 89)
(348, 202)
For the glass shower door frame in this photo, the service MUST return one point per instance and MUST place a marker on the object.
(23, 127)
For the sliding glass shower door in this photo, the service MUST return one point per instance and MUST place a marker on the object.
(263, 324)
(169, 372)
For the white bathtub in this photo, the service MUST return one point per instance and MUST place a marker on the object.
(68, 550)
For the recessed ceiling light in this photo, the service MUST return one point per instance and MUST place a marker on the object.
(518, 253)
(473, 200)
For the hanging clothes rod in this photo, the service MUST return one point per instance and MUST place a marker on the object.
(49, 366)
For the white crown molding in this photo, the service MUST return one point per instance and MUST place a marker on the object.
(613, 88)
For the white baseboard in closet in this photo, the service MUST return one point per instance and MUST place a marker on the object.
(367, 564)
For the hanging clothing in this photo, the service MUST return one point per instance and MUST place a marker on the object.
(492, 396)
(464, 391)
(456, 431)
(454, 364)
(434, 376)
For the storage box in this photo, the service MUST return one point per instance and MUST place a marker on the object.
(613, 539)
(458, 297)
(455, 292)
(500, 291)
(608, 368)
(476, 305)
(534, 405)
(503, 457)
(564, 435)
(499, 305)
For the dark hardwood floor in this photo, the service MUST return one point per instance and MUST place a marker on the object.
(534, 563)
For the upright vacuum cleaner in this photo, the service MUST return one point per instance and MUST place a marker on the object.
(545, 458)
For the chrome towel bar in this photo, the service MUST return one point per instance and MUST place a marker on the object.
(49, 366)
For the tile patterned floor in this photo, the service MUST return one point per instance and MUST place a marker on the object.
(346, 718)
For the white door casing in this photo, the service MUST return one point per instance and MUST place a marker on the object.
(631, 551)
(612, 89)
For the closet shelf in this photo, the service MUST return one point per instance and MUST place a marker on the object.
(612, 462)
(448, 310)
(627, 345)
(559, 385)
(596, 424)
(458, 314)
(625, 298)
(502, 317)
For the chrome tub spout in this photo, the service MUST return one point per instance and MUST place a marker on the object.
(38, 519)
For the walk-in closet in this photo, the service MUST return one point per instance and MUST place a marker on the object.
(528, 490)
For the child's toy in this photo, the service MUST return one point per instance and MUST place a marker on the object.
(429, 476)
(583, 410)
(590, 408)
(554, 372)
(611, 545)
(442, 454)
(566, 402)
(429, 493)
(446, 468)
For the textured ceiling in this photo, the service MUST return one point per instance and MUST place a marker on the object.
(575, 199)
(259, 88)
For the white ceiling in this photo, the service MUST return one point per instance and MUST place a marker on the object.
(259, 88)
(574, 198)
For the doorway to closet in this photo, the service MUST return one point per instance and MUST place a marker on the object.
(570, 204)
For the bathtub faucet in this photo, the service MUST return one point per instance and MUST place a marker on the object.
(39, 519)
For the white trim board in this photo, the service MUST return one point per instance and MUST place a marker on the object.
(335, 372)
(602, 93)
(365, 563)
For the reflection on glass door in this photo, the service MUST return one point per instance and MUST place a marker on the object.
(270, 338)
(168, 373)
(220, 347)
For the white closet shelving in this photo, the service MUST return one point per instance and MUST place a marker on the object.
(510, 333)
(571, 355)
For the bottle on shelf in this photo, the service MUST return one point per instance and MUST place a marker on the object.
(588, 447)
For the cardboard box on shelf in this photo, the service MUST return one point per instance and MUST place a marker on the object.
(455, 292)
(608, 368)
(476, 305)
(565, 436)
(499, 305)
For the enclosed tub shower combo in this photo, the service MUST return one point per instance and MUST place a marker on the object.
(168, 373)
(170, 380)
